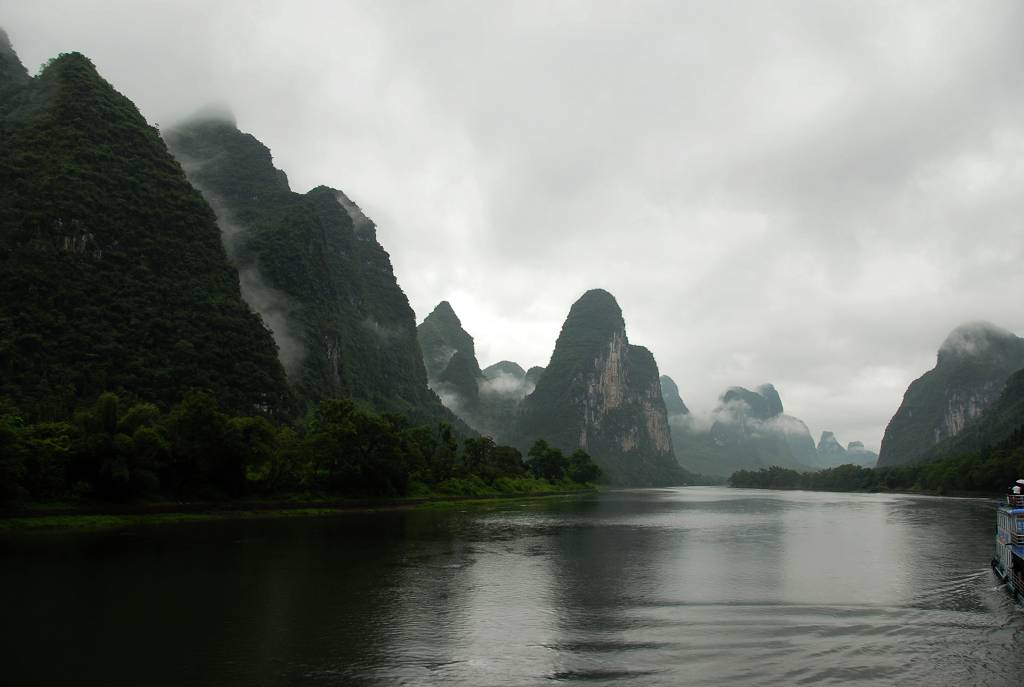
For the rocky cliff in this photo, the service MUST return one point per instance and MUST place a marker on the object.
(603, 394)
(857, 454)
(111, 265)
(830, 451)
(673, 401)
(449, 355)
(487, 400)
(1000, 425)
(971, 371)
(311, 265)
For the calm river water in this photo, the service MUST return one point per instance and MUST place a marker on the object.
(692, 586)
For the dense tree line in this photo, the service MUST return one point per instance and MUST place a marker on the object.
(988, 471)
(111, 451)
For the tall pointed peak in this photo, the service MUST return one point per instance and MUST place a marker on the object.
(441, 335)
(828, 441)
(445, 312)
(593, 319)
(598, 300)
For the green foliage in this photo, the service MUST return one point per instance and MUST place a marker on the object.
(989, 472)
(546, 462)
(353, 329)
(581, 468)
(197, 451)
(111, 264)
(549, 463)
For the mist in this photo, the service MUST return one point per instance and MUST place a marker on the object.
(274, 307)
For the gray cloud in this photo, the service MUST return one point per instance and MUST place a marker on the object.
(811, 193)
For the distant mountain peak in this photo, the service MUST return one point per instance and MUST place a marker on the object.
(972, 367)
(975, 339)
(599, 296)
(445, 312)
(504, 367)
(763, 404)
(673, 401)
(828, 442)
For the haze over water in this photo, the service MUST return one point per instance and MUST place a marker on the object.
(696, 586)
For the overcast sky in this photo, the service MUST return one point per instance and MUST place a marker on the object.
(807, 193)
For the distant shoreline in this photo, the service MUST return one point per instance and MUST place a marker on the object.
(904, 492)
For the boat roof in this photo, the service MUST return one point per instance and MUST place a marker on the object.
(1011, 511)
(1017, 550)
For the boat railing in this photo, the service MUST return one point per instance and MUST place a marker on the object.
(1015, 500)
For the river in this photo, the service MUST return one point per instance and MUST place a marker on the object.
(689, 586)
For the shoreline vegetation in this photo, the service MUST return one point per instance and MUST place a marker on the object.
(109, 461)
(985, 473)
(67, 517)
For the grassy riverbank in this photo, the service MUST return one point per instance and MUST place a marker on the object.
(68, 517)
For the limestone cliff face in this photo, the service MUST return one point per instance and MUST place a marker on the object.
(963, 406)
(1001, 425)
(971, 370)
(604, 395)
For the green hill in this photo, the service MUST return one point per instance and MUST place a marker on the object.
(111, 264)
(603, 394)
(972, 368)
(312, 265)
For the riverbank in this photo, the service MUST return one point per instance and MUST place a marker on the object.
(903, 492)
(40, 518)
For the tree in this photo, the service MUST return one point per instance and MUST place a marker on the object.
(582, 468)
(546, 462)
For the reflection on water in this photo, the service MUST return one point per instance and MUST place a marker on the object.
(677, 586)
